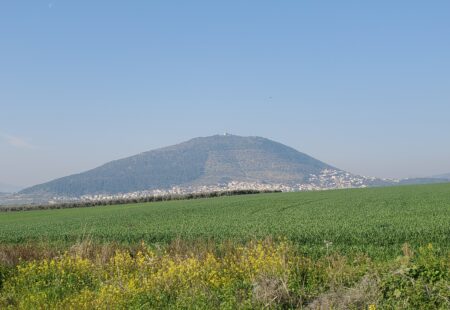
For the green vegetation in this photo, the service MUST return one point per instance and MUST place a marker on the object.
(262, 274)
(379, 248)
(377, 220)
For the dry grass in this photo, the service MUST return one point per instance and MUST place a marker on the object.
(11, 255)
(271, 291)
(87, 248)
(364, 293)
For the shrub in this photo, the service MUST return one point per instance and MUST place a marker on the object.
(421, 282)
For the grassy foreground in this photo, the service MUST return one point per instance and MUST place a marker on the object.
(383, 248)
(260, 274)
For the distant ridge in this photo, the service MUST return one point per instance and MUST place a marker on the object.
(442, 176)
(432, 180)
(199, 161)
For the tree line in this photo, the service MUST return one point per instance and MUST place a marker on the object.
(119, 201)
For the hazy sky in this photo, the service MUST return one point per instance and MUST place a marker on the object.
(362, 85)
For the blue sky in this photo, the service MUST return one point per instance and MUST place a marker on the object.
(362, 85)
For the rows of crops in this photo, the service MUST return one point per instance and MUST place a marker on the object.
(368, 219)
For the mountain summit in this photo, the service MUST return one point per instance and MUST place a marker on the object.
(200, 161)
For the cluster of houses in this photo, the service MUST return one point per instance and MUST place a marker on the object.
(325, 180)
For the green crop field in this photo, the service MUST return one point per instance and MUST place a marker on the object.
(378, 248)
(378, 219)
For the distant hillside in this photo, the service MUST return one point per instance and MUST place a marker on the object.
(443, 176)
(423, 181)
(200, 161)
